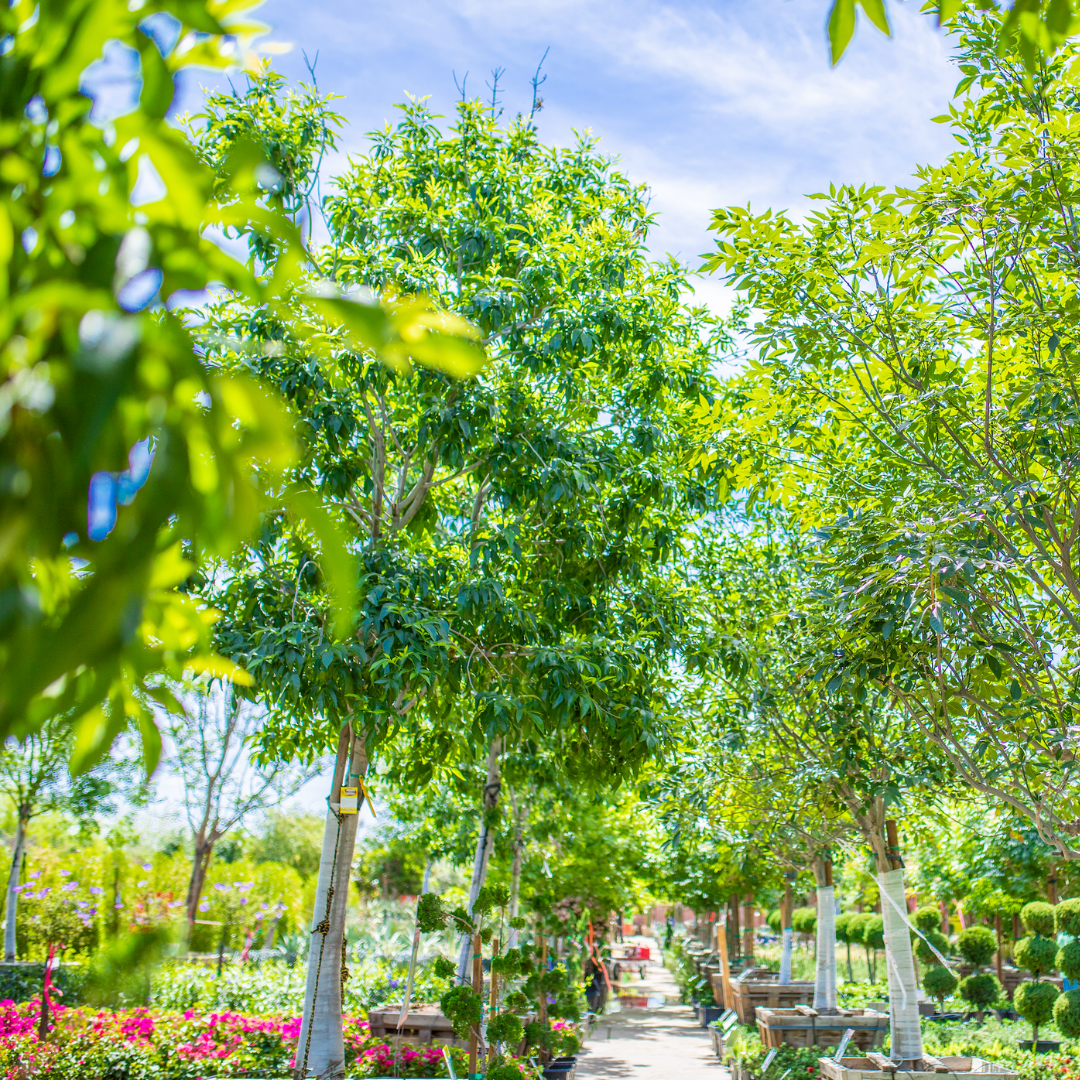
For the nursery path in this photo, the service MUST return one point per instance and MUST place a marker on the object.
(662, 1042)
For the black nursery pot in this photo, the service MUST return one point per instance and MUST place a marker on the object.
(706, 1014)
(1007, 1014)
(1043, 1046)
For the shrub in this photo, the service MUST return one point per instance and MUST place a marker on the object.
(977, 945)
(1068, 960)
(1067, 1012)
(1038, 918)
(927, 918)
(843, 927)
(1034, 1001)
(856, 928)
(981, 990)
(505, 1028)
(939, 982)
(937, 939)
(462, 1006)
(773, 920)
(804, 920)
(1036, 954)
(874, 933)
(1067, 917)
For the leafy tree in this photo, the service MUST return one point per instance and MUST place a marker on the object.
(913, 405)
(514, 531)
(35, 776)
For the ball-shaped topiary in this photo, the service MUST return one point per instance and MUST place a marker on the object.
(505, 1028)
(927, 918)
(1038, 918)
(1034, 1001)
(1036, 954)
(773, 920)
(939, 982)
(804, 920)
(1067, 918)
(856, 928)
(977, 945)
(1067, 1013)
(843, 927)
(935, 938)
(980, 990)
(874, 934)
(1068, 960)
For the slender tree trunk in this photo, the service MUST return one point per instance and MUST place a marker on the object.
(18, 846)
(906, 1033)
(748, 932)
(734, 944)
(999, 960)
(200, 863)
(850, 973)
(321, 1048)
(515, 871)
(787, 905)
(485, 843)
(825, 969)
(946, 922)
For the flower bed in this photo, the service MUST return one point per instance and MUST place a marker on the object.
(144, 1044)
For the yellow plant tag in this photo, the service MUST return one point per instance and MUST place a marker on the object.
(349, 800)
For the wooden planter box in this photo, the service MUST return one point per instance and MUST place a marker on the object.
(424, 1025)
(717, 982)
(752, 994)
(854, 1068)
(804, 1026)
(717, 1041)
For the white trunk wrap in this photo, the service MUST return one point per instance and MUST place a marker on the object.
(785, 956)
(906, 1044)
(825, 979)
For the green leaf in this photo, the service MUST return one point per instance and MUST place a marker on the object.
(875, 12)
(841, 26)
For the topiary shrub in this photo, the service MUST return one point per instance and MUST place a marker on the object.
(977, 945)
(1036, 954)
(843, 934)
(773, 920)
(927, 918)
(506, 1029)
(804, 920)
(980, 990)
(1034, 1001)
(935, 938)
(1067, 918)
(1038, 918)
(1067, 960)
(874, 934)
(939, 982)
(1067, 1012)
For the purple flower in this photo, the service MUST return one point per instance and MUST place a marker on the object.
(96, 890)
(69, 887)
(143, 884)
(42, 893)
(36, 874)
(220, 886)
(64, 873)
(204, 906)
(118, 904)
(243, 886)
(148, 866)
(176, 903)
(243, 900)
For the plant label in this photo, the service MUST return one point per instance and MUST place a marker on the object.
(350, 800)
(843, 1044)
(728, 1019)
(768, 1061)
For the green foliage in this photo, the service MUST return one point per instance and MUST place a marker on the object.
(939, 982)
(980, 990)
(843, 927)
(804, 920)
(491, 897)
(517, 1002)
(1036, 954)
(871, 931)
(927, 918)
(1067, 1013)
(773, 920)
(938, 940)
(509, 965)
(1034, 1001)
(977, 945)
(1067, 918)
(505, 1028)
(442, 968)
(1067, 960)
(462, 1006)
(1038, 918)
(431, 913)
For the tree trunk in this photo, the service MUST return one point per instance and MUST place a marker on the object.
(1052, 888)
(787, 905)
(748, 932)
(12, 908)
(946, 922)
(906, 1032)
(485, 843)
(515, 872)
(825, 974)
(1000, 962)
(321, 1048)
(734, 945)
(200, 863)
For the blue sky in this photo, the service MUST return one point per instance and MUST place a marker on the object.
(709, 103)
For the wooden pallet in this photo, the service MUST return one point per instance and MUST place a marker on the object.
(803, 1026)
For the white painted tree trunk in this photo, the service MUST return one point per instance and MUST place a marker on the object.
(321, 1049)
(515, 872)
(485, 843)
(906, 1042)
(12, 905)
(825, 977)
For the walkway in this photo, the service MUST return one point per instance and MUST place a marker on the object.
(659, 1043)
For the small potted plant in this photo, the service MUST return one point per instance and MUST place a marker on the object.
(1037, 953)
(980, 989)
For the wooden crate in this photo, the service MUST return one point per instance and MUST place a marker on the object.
(424, 1025)
(805, 1027)
(856, 1068)
(752, 994)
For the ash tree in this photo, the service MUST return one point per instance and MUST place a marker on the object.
(515, 532)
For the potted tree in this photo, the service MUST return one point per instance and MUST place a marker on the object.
(977, 945)
(938, 981)
(1037, 953)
